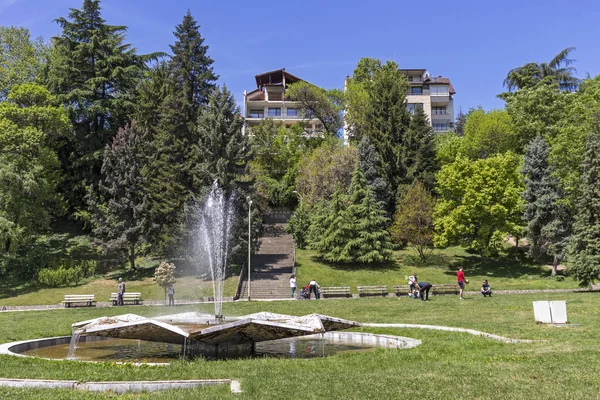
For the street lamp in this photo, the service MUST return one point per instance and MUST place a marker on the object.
(300, 196)
(249, 200)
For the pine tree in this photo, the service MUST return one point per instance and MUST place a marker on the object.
(461, 119)
(585, 244)
(191, 67)
(220, 152)
(121, 224)
(418, 152)
(94, 73)
(330, 228)
(368, 241)
(548, 219)
(369, 161)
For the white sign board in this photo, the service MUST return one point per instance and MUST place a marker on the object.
(541, 312)
(550, 312)
(558, 309)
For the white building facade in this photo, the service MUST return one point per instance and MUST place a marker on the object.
(268, 101)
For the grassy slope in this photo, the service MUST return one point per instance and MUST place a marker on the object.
(563, 363)
(506, 272)
(186, 287)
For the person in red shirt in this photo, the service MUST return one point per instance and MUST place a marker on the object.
(460, 275)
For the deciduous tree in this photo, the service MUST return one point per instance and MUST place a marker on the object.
(413, 221)
(480, 202)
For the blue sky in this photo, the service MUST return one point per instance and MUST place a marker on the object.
(474, 43)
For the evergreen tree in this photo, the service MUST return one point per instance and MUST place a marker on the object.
(94, 73)
(548, 219)
(585, 245)
(376, 107)
(191, 67)
(459, 125)
(121, 224)
(330, 228)
(370, 162)
(368, 240)
(418, 152)
(220, 152)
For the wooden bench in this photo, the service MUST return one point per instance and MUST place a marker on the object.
(372, 291)
(336, 291)
(402, 290)
(450, 288)
(83, 300)
(128, 297)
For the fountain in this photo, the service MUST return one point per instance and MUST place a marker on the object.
(213, 336)
(211, 232)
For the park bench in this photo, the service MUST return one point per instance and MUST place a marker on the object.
(336, 291)
(401, 290)
(128, 297)
(372, 291)
(446, 288)
(83, 300)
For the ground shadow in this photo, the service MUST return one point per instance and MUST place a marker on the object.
(508, 264)
(391, 265)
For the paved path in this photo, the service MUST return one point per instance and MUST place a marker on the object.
(229, 299)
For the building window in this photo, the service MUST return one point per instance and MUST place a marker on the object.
(438, 90)
(257, 113)
(416, 90)
(441, 126)
(438, 110)
(292, 112)
(412, 107)
(274, 112)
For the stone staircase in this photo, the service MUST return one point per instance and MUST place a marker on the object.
(272, 265)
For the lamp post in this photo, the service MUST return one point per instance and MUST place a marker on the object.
(249, 200)
(300, 196)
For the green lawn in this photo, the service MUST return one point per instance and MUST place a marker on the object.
(562, 363)
(504, 272)
(186, 287)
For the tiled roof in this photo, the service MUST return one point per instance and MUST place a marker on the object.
(442, 80)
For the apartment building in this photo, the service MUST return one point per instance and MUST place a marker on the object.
(268, 101)
(433, 95)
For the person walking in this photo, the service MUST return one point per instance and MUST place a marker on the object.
(314, 287)
(293, 284)
(120, 292)
(424, 290)
(171, 293)
(460, 276)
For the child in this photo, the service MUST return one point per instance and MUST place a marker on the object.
(485, 289)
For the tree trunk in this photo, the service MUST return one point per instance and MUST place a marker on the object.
(132, 257)
(164, 287)
(555, 265)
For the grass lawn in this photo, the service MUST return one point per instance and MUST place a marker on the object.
(186, 287)
(562, 363)
(504, 272)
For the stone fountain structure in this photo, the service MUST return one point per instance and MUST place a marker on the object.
(201, 334)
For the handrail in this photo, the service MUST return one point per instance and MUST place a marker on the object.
(238, 291)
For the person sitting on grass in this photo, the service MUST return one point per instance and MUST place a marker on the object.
(485, 289)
